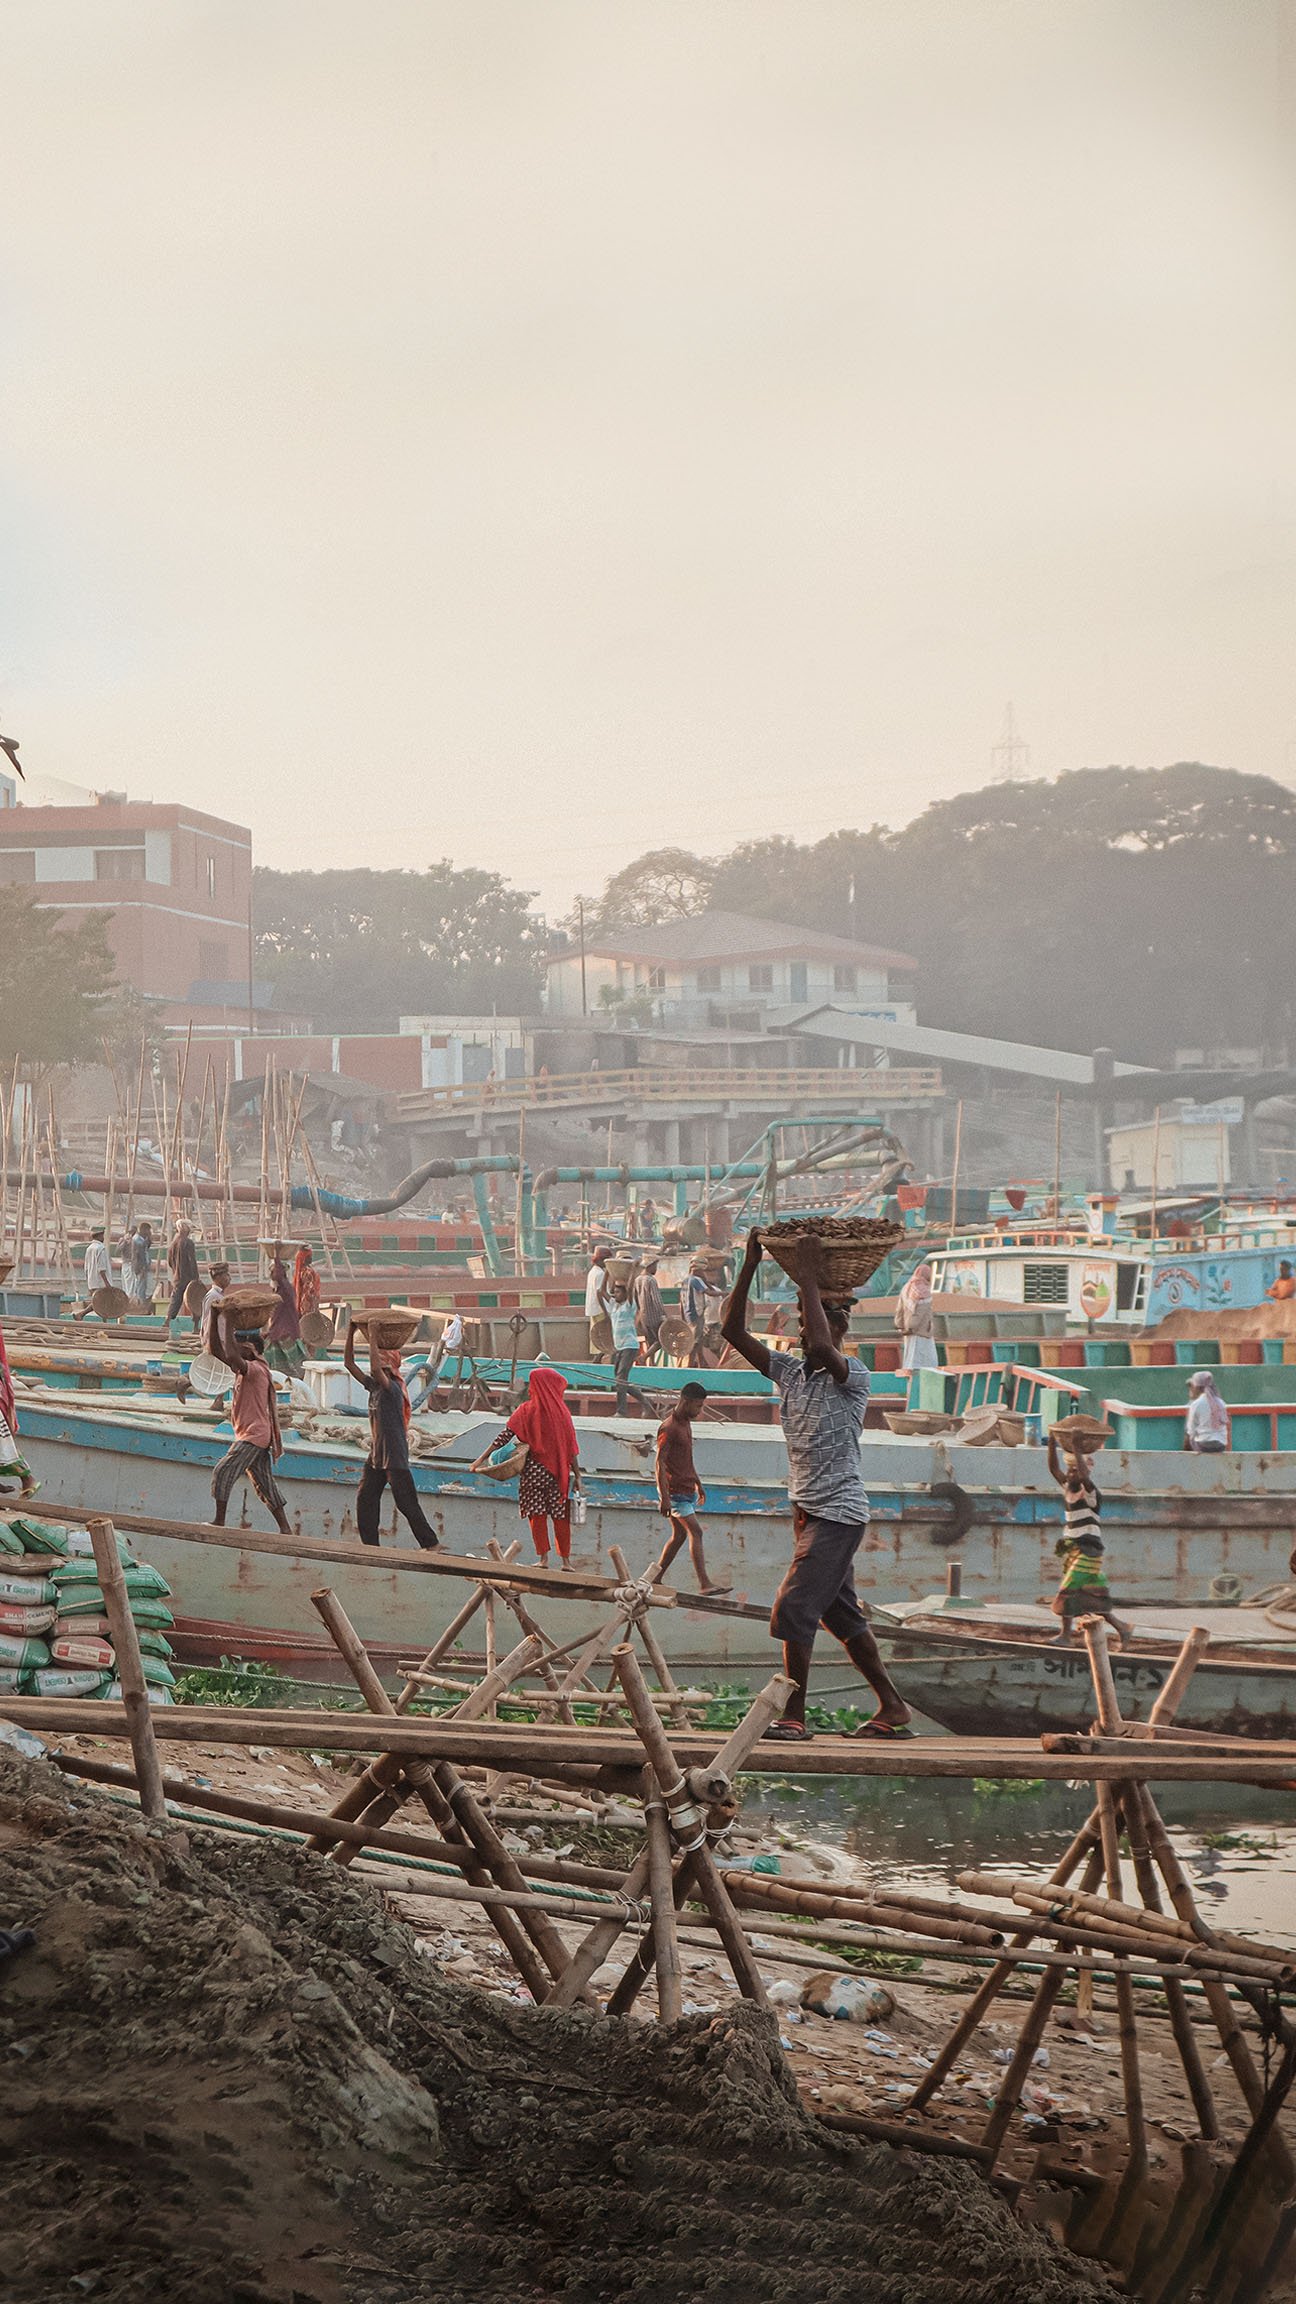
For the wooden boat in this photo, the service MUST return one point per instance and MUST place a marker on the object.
(1173, 1523)
(982, 1672)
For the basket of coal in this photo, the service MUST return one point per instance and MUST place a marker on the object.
(850, 1249)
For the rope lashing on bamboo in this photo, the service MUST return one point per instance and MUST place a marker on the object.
(633, 1598)
(685, 1814)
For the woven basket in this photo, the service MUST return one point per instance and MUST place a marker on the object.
(1084, 1432)
(391, 1329)
(851, 1249)
(194, 1296)
(111, 1303)
(316, 1328)
(251, 1302)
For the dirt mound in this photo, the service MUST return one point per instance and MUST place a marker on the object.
(230, 2078)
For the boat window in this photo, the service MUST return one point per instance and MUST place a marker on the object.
(1044, 1284)
(1127, 1280)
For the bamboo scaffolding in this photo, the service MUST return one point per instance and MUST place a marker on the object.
(455, 1803)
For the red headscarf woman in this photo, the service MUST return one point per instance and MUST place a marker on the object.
(543, 1424)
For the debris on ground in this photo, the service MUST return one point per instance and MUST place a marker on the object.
(233, 2077)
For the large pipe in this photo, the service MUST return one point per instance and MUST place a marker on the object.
(300, 1196)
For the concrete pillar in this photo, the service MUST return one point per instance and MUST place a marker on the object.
(671, 1154)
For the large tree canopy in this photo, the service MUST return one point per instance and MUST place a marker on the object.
(355, 950)
(56, 982)
(1141, 909)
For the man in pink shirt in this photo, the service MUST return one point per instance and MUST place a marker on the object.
(255, 1417)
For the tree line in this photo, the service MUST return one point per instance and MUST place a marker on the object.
(1140, 909)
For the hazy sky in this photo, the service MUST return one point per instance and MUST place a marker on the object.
(529, 433)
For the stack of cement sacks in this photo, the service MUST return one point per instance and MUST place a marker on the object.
(54, 1635)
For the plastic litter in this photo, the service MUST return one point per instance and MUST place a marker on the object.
(853, 1999)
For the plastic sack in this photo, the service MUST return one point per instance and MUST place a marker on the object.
(24, 1655)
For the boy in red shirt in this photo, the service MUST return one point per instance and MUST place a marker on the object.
(679, 1491)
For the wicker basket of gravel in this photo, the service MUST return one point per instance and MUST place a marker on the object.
(850, 1249)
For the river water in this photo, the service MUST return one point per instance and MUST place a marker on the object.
(1237, 1844)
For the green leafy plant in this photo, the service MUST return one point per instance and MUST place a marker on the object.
(235, 1683)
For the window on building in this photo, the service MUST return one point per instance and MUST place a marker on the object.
(709, 980)
(656, 979)
(844, 979)
(17, 864)
(119, 863)
(211, 876)
(213, 962)
(760, 976)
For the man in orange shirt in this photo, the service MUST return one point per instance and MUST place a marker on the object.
(255, 1417)
(1284, 1286)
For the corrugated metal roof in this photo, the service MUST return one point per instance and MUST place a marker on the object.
(718, 936)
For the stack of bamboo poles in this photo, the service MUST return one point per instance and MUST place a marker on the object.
(190, 1142)
(1228, 2223)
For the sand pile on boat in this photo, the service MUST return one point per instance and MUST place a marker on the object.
(231, 2078)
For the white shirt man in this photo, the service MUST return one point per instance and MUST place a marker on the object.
(98, 1265)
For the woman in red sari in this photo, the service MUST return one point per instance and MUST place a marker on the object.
(552, 1469)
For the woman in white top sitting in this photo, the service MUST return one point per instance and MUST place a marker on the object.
(913, 1318)
(1206, 1430)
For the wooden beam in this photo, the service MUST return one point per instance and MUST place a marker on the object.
(410, 1560)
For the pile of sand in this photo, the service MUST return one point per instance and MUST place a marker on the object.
(230, 2078)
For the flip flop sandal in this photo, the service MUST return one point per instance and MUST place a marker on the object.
(882, 1732)
(788, 1732)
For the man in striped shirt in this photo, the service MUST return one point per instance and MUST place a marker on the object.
(1084, 1590)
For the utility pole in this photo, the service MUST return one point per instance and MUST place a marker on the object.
(580, 915)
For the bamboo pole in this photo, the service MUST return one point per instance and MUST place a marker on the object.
(209, 1081)
(135, 1138)
(1145, 1873)
(130, 1669)
(1057, 1156)
(1156, 1170)
(652, 1645)
(1166, 1705)
(594, 1947)
(312, 1180)
(468, 1818)
(182, 1081)
(666, 1951)
(228, 1246)
(1217, 2000)
(1081, 1847)
(1028, 2040)
(653, 1737)
(958, 1149)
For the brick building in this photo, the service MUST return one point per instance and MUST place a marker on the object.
(176, 883)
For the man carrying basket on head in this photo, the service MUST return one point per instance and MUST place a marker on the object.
(822, 1399)
(387, 1464)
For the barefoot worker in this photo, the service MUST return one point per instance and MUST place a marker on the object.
(387, 1464)
(680, 1493)
(822, 1399)
(255, 1417)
